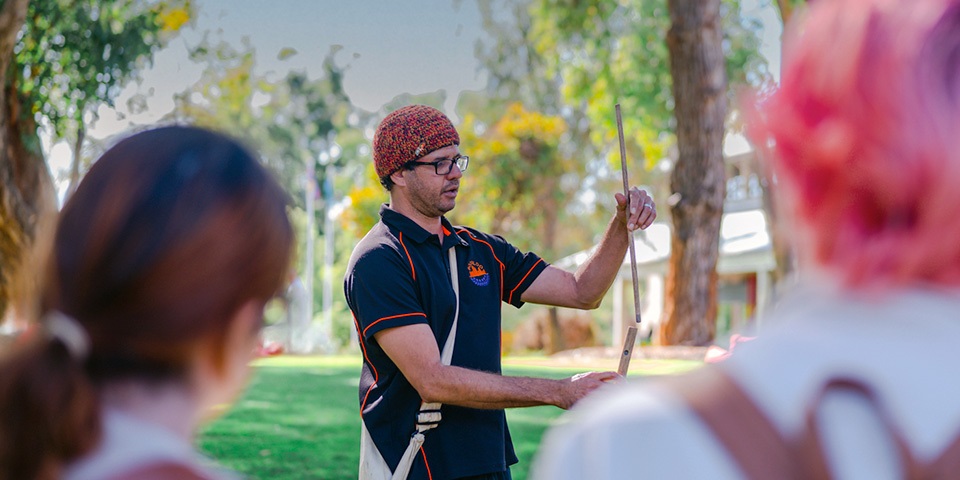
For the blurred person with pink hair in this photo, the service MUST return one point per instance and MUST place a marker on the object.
(853, 374)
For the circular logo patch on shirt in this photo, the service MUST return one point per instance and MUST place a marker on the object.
(478, 274)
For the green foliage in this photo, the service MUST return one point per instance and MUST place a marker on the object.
(515, 186)
(294, 123)
(516, 71)
(304, 117)
(366, 196)
(74, 54)
(614, 51)
(527, 194)
(290, 122)
(222, 98)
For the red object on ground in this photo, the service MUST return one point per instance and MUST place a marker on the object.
(269, 349)
(716, 354)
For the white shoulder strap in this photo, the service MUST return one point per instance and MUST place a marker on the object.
(429, 415)
(447, 354)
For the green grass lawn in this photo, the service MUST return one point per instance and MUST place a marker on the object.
(299, 418)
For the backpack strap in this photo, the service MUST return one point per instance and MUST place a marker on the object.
(446, 356)
(738, 424)
(429, 415)
(945, 466)
(762, 452)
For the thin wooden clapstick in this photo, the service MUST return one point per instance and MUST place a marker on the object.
(627, 350)
(632, 330)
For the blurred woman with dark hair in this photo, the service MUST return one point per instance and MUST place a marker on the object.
(163, 260)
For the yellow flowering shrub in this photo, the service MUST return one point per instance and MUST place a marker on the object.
(172, 19)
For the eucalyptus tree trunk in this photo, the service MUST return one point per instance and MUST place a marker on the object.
(698, 179)
(27, 198)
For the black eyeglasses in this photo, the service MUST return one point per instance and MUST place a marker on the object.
(443, 166)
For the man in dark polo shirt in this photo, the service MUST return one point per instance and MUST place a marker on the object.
(398, 286)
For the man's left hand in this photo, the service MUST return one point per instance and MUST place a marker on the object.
(642, 211)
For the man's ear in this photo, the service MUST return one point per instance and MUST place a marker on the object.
(398, 179)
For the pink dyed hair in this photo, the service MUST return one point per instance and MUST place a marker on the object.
(864, 138)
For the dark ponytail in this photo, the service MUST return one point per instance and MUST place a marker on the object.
(50, 411)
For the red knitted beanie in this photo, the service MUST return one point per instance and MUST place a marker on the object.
(408, 134)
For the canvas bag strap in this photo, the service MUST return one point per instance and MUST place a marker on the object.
(446, 356)
(746, 432)
(762, 452)
(429, 415)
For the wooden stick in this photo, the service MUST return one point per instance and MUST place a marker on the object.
(628, 342)
(627, 350)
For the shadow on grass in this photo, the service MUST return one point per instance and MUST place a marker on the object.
(299, 418)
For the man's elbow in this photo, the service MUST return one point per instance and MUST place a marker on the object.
(430, 394)
(586, 297)
(587, 304)
(593, 305)
(431, 389)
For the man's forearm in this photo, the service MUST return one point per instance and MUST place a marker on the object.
(475, 389)
(415, 352)
(595, 276)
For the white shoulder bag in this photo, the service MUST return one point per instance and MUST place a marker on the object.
(372, 464)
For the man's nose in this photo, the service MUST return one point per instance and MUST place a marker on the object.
(455, 172)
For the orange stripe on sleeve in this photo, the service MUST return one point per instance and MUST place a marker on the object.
(485, 243)
(415, 314)
(412, 271)
(376, 375)
(510, 298)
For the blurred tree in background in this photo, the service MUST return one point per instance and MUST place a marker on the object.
(306, 131)
(611, 52)
(525, 140)
(60, 59)
(517, 176)
(698, 181)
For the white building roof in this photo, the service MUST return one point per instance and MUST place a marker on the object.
(744, 247)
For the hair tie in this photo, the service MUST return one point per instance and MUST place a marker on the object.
(69, 332)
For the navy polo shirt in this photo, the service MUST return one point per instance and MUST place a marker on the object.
(398, 275)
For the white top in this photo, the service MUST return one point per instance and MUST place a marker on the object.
(903, 344)
(129, 442)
